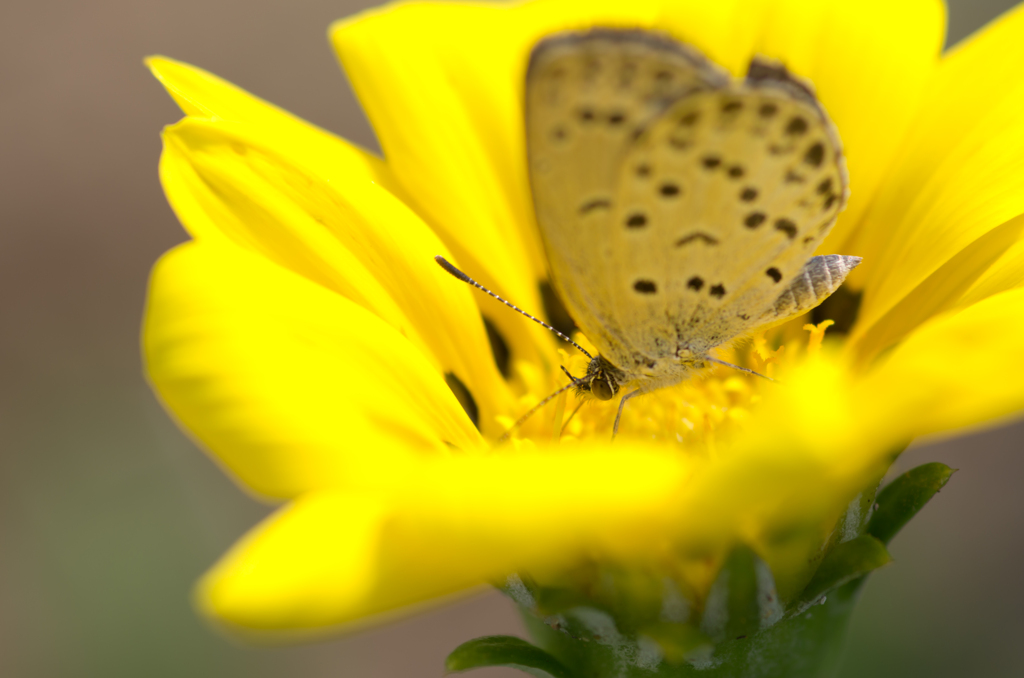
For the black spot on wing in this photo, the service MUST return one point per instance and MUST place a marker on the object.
(616, 118)
(711, 161)
(748, 194)
(774, 274)
(596, 204)
(717, 291)
(796, 126)
(636, 220)
(732, 106)
(695, 283)
(679, 143)
(697, 237)
(645, 286)
(786, 226)
(815, 155)
(669, 190)
(690, 119)
(754, 219)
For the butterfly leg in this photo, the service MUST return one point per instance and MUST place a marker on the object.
(618, 415)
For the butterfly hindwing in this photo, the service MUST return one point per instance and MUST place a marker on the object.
(739, 185)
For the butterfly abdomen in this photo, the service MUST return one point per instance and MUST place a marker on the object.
(820, 277)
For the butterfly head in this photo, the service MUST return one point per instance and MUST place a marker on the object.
(602, 380)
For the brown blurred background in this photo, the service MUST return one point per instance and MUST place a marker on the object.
(108, 514)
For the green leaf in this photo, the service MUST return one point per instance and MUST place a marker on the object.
(901, 499)
(505, 651)
(844, 563)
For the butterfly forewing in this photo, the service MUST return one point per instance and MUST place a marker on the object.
(588, 98)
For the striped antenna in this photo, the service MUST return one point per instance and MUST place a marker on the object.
(446, 265)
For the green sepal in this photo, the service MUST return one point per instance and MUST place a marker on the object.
(508, 651)
(844, 563)
(677, 641)
(739, 574)
(900, 500)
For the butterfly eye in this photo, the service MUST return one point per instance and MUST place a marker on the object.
(601, 388)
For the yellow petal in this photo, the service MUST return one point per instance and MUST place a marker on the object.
(989, 265)
(959, 369)
(422, 73)
(442, 86)
(289, 385)
(958, 174)
(438, 526)
(202, 94)
(787, 477)
(444, 526)
(338, 229)
(869, 63)
(1005, 274)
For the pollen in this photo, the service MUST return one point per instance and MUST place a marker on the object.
(695, 416)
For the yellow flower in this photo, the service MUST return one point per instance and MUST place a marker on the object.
(307, 339)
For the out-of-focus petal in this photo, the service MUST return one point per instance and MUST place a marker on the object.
(338, 229)
(869, 63)
(202, 94)
(960, 369)
(989, 265)
(291, 386)
(440, 527)
(958, 174)
(442, 85)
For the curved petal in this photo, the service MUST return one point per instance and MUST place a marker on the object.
(787, 477)
(444, 526)
(957, 370)
(989, 265)
(959, 174)
(439, 526)
(870, 63)
(1007, 273)
(441, 84)
(338, 229)
(291, 386)
(204, 95)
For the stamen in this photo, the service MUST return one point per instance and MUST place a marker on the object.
(817, 335)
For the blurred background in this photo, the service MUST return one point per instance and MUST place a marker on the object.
(108, 514)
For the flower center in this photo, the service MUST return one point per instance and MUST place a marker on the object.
(694, 414)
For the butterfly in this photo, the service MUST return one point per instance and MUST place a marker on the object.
(679, 207)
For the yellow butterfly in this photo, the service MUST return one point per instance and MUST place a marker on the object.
(679, 208)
